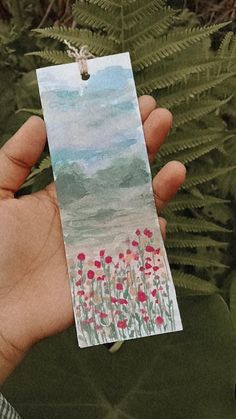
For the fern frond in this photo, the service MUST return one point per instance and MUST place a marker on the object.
(185, 113)
(38, 112)
(223, 50)
(149, 27)
(98, 44)
(157, 50)
(191, 259)
(185, 201)
(139, 10)
(193, 284)
(192, 89)
(192, 225)
(187, 141)
(159, 77)
(98, 18)
(45, 164)
(192, 241)
(54, 57)
(107, 5)
(198, 151)
(202, 177)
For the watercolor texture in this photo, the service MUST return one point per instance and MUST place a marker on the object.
(120, 278)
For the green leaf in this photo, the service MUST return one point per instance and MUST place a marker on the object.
(191, 241)
(186, 201)
(233, 302)
(147, 378)
(192, 225)
(191, 259)
(54, 57)
(203, 177)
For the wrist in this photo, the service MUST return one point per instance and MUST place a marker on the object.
(10, 357)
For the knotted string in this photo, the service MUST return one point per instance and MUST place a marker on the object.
(81, 56)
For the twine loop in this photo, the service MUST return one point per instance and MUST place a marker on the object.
(81, 56)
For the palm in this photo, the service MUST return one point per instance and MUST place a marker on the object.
(33, 279)
(34, 288)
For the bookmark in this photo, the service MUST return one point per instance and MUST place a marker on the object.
(120, 278)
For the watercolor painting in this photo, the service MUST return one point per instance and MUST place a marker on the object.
(119, 273)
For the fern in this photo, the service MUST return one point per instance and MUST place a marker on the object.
(185, 224)
(172, 59)
(192, 284)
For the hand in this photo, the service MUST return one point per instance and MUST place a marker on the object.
(35, 296)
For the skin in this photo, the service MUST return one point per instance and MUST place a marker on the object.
(35, 298)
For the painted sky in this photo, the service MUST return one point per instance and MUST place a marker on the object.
(92, 121)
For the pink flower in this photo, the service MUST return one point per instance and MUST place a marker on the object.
(121, 255)
(149, 259)
(142, 296)
(117, 312)
(119, 286)
(147, 233)
(155, 268)
(80, 293)
(143, 311)
(150, 249)
(137, 232)
(117, 265)
(98, 327)
(134, 243)
(90, 274)
(80, 272)
(157, 252)
(141, 268)
(156, 301)
(147, 266)
(78, 282)
(128, 251)
(160, 288)
(108, 259)
(102, 253)
(145, 318)
(154, 293)
(122, 301)
(97, 263)
(81, 256)
(159, 320)
(113, 300)
(103, 315)
(122, 324)
(136, 256)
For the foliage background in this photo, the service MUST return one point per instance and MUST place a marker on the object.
(201, 246)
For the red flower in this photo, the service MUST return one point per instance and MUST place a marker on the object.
(145, 318)
(80, 272)
(137, 232)
(147, 266)
(80, 293)
(157, 252)
(119, 286)
(122, 301)
(113, 300)
(136, 256)
(128, 251)
(102, 253)
(141, 268)
(150, 249)
(134, 243)
(154, 293)
(108, 259)
(97, 263)
(90, 274)
(81, 256)
(122, 324)
(142, 296)
(103, 315)
(121, 255)
(147, 233)
(159, 320)
(149, 259)
(78, 282)
(155, 268)
(156, 301)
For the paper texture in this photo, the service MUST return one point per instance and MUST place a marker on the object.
(119, 273)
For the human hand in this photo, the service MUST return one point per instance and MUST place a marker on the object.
(35, 297)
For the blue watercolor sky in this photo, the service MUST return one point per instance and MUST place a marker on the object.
(91, 121)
